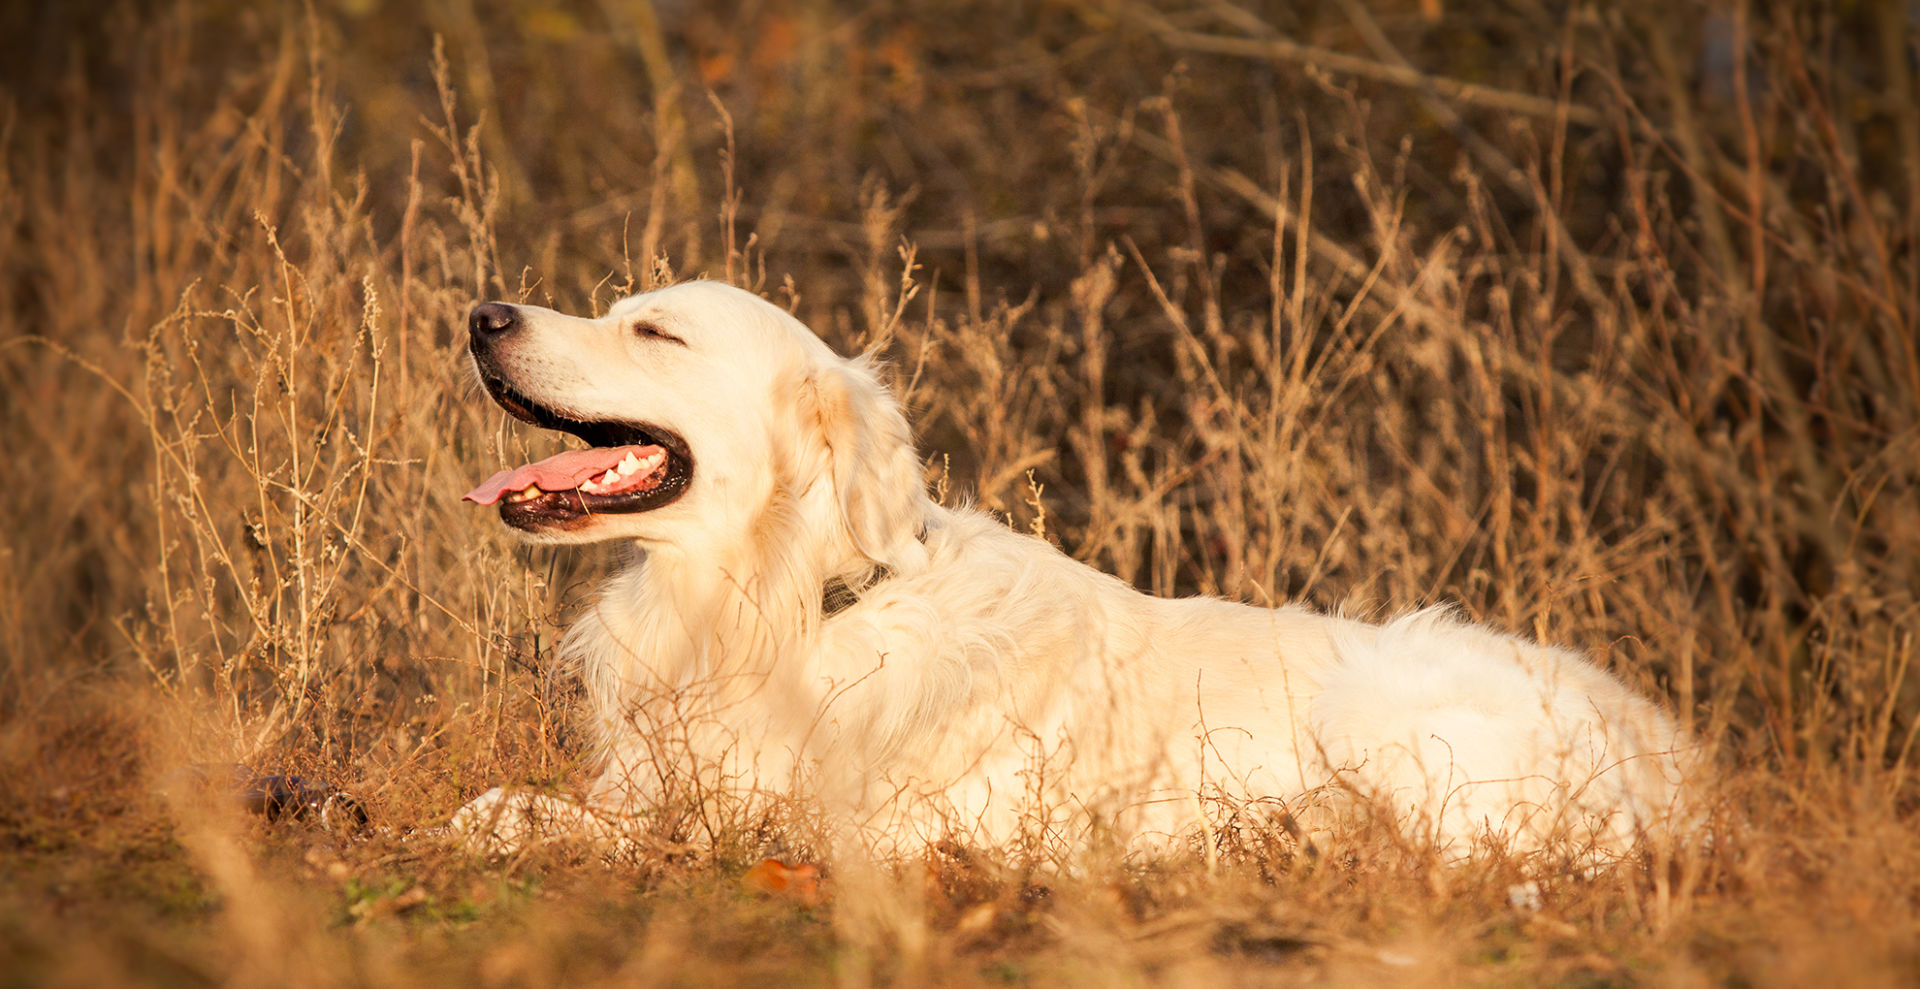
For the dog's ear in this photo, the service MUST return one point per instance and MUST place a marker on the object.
(877, 482)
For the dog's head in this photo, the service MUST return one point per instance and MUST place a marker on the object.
(701, 404)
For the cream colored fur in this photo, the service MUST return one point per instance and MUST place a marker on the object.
(991, 683)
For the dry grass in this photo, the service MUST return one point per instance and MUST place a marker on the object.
(1601, 325)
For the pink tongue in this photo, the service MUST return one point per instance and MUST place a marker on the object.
(563, 472)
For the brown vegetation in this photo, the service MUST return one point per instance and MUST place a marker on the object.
(1599, 321)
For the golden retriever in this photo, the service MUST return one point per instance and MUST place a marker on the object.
(801, 617)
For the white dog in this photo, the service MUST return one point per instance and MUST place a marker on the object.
(804, 618)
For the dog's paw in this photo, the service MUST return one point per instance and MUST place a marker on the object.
(500, 822)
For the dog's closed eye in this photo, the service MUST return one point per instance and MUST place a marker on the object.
(648, 330)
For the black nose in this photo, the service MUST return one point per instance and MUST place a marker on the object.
(491, 319)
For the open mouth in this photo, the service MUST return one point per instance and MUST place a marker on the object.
(629, 467)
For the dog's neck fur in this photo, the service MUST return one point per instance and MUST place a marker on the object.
(699, 628)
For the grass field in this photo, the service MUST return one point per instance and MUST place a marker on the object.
(1600, 321)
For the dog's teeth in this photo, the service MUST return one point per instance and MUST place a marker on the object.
(591, 487)
(630, 464)
(530, 491)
